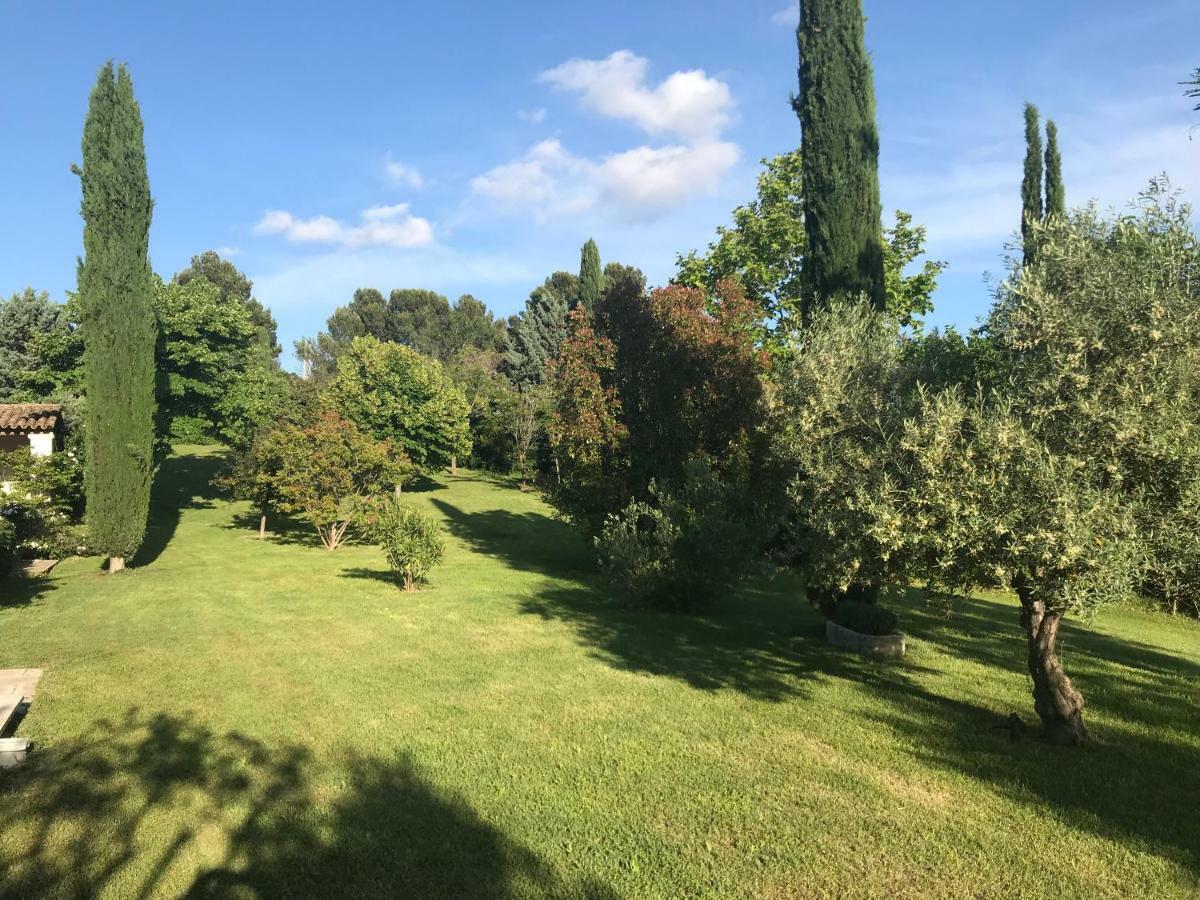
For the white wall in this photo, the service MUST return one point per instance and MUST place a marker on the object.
(41, 444)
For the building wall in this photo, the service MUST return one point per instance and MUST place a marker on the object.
(41, 444)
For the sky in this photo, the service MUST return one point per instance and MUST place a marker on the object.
(474, 147)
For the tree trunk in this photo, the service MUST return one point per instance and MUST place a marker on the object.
(1058, 704)
(399, 490)
(453, 464)
(262, 526)
(115, 564)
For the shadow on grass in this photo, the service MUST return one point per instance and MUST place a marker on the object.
(528, 541)
(182, 482)
(129, 804)
(1137, 782)
(17, 590)
(281, 529)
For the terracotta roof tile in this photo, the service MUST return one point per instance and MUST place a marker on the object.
(22, 418)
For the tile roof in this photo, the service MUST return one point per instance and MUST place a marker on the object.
(22, 418)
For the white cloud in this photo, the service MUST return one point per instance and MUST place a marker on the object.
(226, 251)
(651, 180)
(402, 175)
(392, 226)
(532, 116)
(547, 180)
(788, 15)
(646, 182)
(689, 104)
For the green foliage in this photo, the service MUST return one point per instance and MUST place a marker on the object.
(1193, 88)
(764, 251)
(591, 278)
(540, 329)
(205, 346)
(1056, 194)
(398, 394)
(585, 428)
(836, 107)
(764, 248)
(29, 325)
(683, 546)
(8, 546)
(255, 400)
(866, 618)
(1102, 335)
(1031, 183)
(234, 285)
(844, 390)
(327, 470)
(44, 501)
(909, 297)
(412, 541)
(491, 398)
(116, 299)
(687, 378)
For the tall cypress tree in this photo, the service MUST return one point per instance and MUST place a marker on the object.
(839, 153)
(591, 279)
(1056, 195)
(115, 292)
(1031, 184)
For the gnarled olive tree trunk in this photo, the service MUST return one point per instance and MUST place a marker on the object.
(1058, 704)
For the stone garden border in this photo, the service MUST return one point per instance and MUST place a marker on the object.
(890, 645)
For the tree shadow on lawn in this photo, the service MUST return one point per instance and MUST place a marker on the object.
(1136, 784)
(147, 793)
(1148, 687)
(527, 542)
(182, 482)
(17, 590)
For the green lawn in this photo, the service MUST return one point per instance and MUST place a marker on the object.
(236, 718)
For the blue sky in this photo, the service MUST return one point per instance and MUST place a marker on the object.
(468, 146)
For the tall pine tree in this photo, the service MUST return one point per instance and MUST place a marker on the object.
(115, 292)
(540, 329)
(1056, 195)
(840, 154)
(591, 279)
(1031, 184)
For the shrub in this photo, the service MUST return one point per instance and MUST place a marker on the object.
(865, 618)
(412, 541)
(8, 546)
(683, 548)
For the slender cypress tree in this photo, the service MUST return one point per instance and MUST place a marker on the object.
(591, 279)
(115, 292)
(839, 153)
(1056, 195)
(1031, 184)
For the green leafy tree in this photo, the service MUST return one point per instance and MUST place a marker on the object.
(26, 318)
(420, 319)
(1031, 183)
(687, 379)
(328, 471)
(234, 285)
(765, 246)
(1056, 194)
(585, 426)
(395, 393)
(591, 278)
(206, 340)
(490, 396)
(116, 297)
(836, 107)
(255, 401)
(473, 327)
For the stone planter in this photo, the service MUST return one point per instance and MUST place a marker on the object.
(891, 645)
(13, 752)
